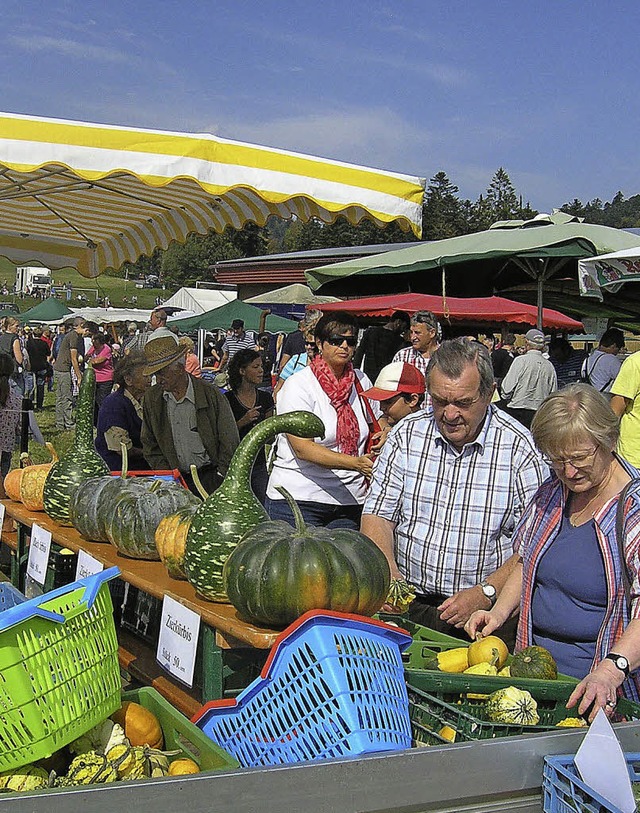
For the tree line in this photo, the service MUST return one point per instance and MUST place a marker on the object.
(445, 214)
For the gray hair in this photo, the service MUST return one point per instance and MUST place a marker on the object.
(570, 414)
(425, 318)
(454, 355)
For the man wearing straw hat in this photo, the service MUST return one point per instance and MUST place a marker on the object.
(185, 420)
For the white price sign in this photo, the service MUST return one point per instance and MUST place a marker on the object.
(87, 565)
(39, 548)
(178, 640)
(2, 509)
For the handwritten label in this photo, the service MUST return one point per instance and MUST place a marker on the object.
(39, 548)
(87, 565)
(178, 640)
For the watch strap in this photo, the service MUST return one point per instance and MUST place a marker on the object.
(613, 656)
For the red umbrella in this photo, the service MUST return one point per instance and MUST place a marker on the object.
(480, 309)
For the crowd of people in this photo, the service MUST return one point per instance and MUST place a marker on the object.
(498, 477)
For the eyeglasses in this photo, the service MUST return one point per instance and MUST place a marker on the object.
(337, 341)
(309, 344)
(578, 461)
(462, 404)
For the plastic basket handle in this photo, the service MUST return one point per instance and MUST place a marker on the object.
(91, 589)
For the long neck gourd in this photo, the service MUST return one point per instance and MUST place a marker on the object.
(80, 462)
(227, 514)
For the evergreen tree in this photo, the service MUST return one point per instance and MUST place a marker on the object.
(502, 198)
(442, 213)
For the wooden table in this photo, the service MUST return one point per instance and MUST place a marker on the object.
(222, 628)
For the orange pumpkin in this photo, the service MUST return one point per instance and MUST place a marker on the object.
(141, 727)
(12, 484)
(183, 766)
(32, 482)
(171, 535)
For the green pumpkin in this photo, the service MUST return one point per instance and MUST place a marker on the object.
(94, 501)
(137, 511)
(277, 573)
(224, 518)
(534, 662)
(80, 462)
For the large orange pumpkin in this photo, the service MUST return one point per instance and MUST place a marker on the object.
(12, 484)
(32, 482)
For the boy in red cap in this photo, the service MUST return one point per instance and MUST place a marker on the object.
(400, 388)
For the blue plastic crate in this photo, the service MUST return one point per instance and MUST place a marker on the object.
(564, 791)
(9, 596)
(333, 686)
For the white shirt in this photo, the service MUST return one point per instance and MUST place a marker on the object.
(186, 438)
(307, 481)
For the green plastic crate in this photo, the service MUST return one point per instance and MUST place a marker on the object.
(59, 673)
(428, 642)
(446, 703)
(181, 734)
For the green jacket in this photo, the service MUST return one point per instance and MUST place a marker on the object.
(216, 426)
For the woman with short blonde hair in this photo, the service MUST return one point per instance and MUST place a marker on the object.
(572, 413)
(576, 578)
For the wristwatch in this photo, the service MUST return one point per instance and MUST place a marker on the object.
(620, 661)
(489, 592)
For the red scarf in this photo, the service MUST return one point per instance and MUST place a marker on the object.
(338, 391)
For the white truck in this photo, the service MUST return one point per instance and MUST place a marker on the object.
(31, 278)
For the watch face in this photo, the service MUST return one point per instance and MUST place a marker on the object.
(489, 590)
(622, 662)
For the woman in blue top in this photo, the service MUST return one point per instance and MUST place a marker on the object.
(120, 415)
(568, 580)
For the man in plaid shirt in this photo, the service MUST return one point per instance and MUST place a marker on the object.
(448, 489)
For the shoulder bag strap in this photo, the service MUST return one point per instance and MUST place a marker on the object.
(375, 424)
(624, 571)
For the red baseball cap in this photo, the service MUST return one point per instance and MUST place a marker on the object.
(395, 378)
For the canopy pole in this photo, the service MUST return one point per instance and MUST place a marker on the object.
(445, 307)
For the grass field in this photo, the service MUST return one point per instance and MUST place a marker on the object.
(115, 288)
(46, 419)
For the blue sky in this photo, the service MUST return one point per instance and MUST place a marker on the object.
(549, 90)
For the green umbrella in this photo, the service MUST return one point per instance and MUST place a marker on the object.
(479, 263)
(223, 316)
(49, 310)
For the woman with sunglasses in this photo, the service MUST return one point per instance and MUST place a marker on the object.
(326, 476)
(572, 562)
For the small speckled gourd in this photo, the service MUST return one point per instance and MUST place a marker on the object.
(225, 517)
(80, 462)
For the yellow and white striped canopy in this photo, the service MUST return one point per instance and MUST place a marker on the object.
(93, 196)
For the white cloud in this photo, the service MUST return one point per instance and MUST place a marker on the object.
(69, 48)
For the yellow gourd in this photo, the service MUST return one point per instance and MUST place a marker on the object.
(182, 767)
(141, 727)
(484, 650)
(448, 733)
(482, 669)
(450, 660)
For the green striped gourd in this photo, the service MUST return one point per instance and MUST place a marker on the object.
(233, 509)
(80, 462)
